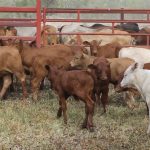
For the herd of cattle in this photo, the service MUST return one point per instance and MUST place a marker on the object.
(79, 71)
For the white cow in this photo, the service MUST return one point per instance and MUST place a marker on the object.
(75, 28)
(138, 54)
(136, 77)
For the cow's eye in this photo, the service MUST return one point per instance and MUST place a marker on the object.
(99, 72)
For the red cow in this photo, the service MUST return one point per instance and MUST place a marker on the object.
(102, 81)
(83, 85)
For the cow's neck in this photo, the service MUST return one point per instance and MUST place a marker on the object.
(56, 77)
(140, 81)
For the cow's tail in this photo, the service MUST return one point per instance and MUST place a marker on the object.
(60, 36)
(118, 48)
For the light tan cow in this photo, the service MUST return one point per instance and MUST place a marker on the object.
(10, 62)
(48, 35)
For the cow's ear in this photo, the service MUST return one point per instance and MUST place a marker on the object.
(84, 55)
(134, 66)
(92, 66)
(99, 42)
(140, 65)
(47, 67)
(86, 43)
(137, 65)
(11, 41)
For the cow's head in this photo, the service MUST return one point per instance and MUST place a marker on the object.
(141, 39)
(129, 75)
(79, 60)
(101, 67)
(11, 31)
(94, 45)
(76, 61)
(47, 35)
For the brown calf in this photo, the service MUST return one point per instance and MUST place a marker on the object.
(101, 84)
(73, 83)
(103, 74)
(110, 50)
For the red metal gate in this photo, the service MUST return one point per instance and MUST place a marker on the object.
(41, 17)
(24, 22)
(122, 12)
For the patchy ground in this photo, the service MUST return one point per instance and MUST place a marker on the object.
(35, 126)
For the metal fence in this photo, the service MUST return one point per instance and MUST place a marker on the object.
(41, 16)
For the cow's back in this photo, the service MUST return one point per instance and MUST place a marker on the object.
(136, 53)
(75, 80)
(9, 57)
(110, 50)
(49, 51)
(118, 66)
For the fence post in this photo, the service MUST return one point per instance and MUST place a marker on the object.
(122, 15)
(38, 23)
(45, 42)
(147, 40)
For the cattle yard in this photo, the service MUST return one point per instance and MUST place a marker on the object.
(41, 16)
(33, 125)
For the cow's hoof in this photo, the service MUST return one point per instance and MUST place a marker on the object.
(34, 98)
(1, 98)
(59, 113)
(103, 113)
(91, 129)
(83, 126)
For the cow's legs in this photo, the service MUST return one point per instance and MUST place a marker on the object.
(104, 99)
(97, 98)
(84, 124)
(12, 89)
(38, 75)
(6, 83)
(64, 108)
(148, 104)
(35, 83)
(42, 84)
(21, 76)
(59, 113)
(90, 113)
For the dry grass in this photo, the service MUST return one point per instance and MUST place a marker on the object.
(35, 126)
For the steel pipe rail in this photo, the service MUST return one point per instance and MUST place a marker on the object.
(18, 9)
(97, 21)
(18, 23)
(83, 33)
(27, 38)
(97, 10)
